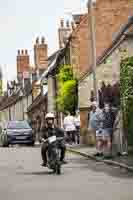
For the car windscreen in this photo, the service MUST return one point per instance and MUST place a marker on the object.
(18, 125)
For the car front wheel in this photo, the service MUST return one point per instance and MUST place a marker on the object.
(4, 141)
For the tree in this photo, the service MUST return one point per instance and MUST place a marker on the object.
(126, 90)
(67, 98)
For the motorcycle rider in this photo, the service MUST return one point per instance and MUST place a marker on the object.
(48, 131)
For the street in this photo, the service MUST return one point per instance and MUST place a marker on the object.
(22, 177)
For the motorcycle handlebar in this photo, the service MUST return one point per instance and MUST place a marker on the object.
(57, 139)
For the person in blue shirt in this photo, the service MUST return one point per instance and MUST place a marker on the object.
(95, 120)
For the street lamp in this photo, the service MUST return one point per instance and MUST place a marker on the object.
(91, 23)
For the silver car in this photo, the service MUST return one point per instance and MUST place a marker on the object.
(17, 132)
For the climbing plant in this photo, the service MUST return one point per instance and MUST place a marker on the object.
(126, 90)
(67, 97)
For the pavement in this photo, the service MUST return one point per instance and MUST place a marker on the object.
(125, 161)
(22, 178)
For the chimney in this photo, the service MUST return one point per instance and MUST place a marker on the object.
(41, 54)
(23, 61)
(63, 33)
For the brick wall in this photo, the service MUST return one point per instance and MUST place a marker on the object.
(23, 61)
(41, 54)
(110, 15)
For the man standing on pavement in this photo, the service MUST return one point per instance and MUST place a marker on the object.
(107, 126)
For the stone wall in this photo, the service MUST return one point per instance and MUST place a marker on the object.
(108, 72)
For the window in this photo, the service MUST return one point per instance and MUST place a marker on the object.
(18, 125)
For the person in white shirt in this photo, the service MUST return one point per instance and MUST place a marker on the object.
(77, 124)
(70, 128)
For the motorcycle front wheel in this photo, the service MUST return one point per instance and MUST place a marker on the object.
(58, 169)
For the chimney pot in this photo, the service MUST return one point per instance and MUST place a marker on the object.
(67, 24)
(37, 40)
(62, 23)
(43, 40)
(22, 51)
(18, 52)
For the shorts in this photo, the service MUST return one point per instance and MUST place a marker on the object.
(102, 133)
(107, 132)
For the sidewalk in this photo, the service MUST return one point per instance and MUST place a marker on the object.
(88, 152)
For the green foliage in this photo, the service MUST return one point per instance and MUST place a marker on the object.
(126, 89)
(67, 98)
(65, 74)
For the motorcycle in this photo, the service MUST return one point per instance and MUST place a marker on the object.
(53, 153)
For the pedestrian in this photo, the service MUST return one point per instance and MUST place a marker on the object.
(70, 129)
(77, 125)
(95, 120)
(107, 126)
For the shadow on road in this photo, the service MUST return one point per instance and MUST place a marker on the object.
(108, 169)
(36, 173)
(99, 167)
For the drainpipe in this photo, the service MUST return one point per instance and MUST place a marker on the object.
(91, 23)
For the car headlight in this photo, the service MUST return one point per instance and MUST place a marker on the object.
(8, 133)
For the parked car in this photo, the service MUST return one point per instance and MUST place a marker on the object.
(17, 132)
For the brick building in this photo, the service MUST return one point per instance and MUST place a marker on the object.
(108, 67)
(110, 15)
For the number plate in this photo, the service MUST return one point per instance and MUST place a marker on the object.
(52, 139)
(20, 137)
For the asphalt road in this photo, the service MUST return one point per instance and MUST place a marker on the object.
(22, 178)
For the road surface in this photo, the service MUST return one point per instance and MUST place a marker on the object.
(22, 178)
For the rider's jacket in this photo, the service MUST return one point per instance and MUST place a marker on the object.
(47, 132)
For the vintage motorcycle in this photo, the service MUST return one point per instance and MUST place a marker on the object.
(53, 153)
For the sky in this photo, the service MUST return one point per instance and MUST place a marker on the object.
(21, 21)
